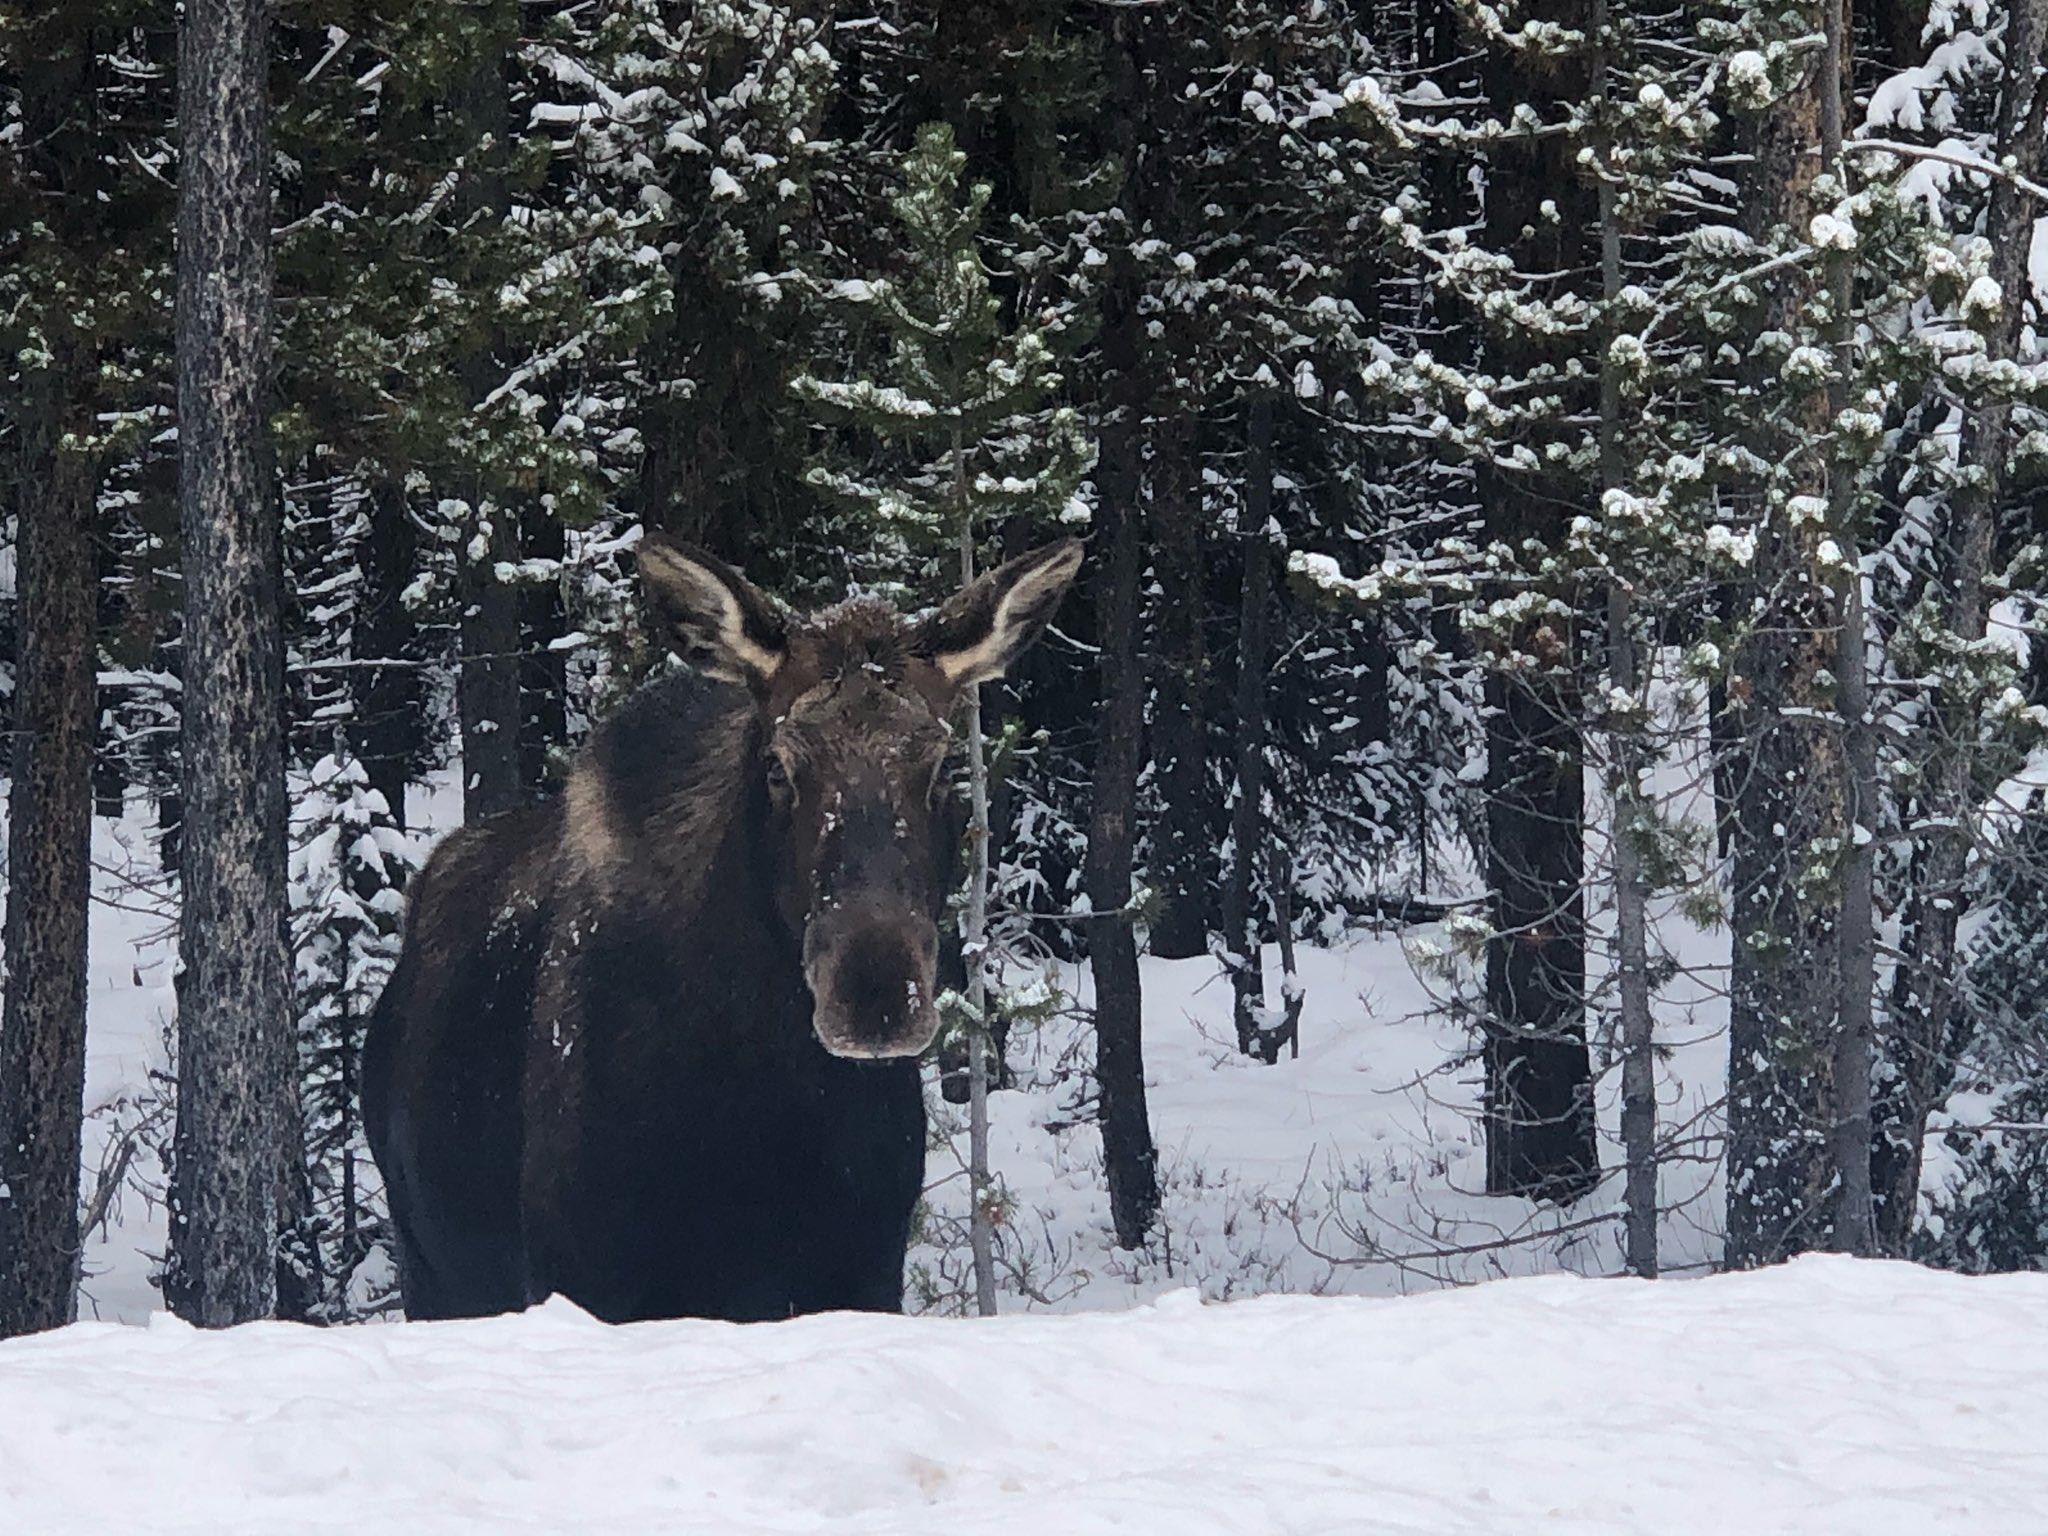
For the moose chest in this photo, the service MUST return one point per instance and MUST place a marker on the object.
(694, 1151)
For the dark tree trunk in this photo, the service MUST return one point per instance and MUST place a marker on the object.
(42, 1032)
(1247, 819)
(49, 813)
(170, 830)
(487, 684)
(109, 786)
(1183, 846)
(487, 681)
(1785, 980)
(1540, 1133)
(1129, 1158)
(391, 729)
(543, 672)
(234, 1001)
(1892, 37)
(1127, 1151)
(1785, 973)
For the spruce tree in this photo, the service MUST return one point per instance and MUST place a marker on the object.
(85, 115)
(350, 866)
(1958, 539)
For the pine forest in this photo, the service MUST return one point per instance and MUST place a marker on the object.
(1533, 515)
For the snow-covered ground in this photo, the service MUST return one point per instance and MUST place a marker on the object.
(1356, 1168)
(1832, 1396)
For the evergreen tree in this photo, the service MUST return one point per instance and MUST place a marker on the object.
(1526, 415)
(689, 150)
(1950, 539)
(84, 247)
(350, 867)
(1988, 1210)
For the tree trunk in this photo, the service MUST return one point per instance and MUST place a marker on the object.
(234, 1004)
(543, 671)
(1785, 983)
(1920, 1049)
(1127, 1151)
(1628, 814)
(974, 945)
(301, 1287)
(390, 730)
(42, 1032)
(487, 682)
(1631, 956)
(1182, 843)
(487, 685)
(974, 953)
(1288, 1031)
(1128, 1156)
(1853, 1225)
(1540, 1134)
(1247, 813)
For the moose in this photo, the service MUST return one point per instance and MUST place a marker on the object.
(652, 1044)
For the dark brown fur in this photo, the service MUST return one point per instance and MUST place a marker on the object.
(652, 1045)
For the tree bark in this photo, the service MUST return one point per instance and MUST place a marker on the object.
(300, 1284)
(1129, 1158)
(1631, 956)
(1127, 1151)
(42, 1031)
(1182, 842)
(1922, 1012)
(1785, 977)
(1853, 1225)
(1626, 808)
(1540, 1134)
(1247, 813)
(487, 682)
(234, 1004)
(543, 670)
(390, 731)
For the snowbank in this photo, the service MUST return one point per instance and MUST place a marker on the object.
(1832, 1396)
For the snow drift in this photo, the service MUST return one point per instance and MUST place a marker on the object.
(1830, 1396)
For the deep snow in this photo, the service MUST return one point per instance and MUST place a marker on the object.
(1831, 1396)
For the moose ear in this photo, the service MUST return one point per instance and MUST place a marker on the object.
(985, 626)
(710, 614)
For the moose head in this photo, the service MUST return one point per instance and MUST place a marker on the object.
(854, 704)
